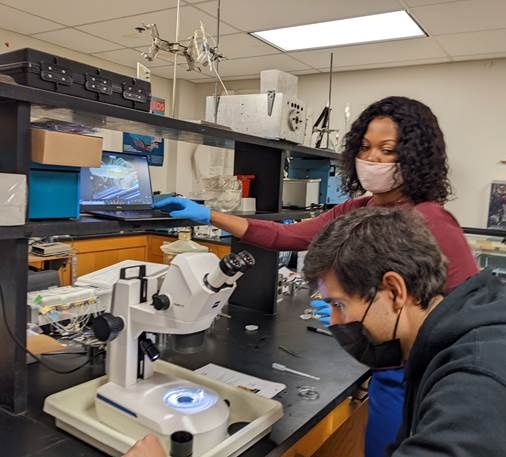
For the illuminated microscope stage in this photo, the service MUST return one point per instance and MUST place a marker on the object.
(77, 411)
(164, 405)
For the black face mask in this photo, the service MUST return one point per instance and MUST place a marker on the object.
(354, 340)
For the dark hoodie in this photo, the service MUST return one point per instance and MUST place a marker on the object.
(456, 377)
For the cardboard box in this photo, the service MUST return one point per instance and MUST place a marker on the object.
(41, 344)
(57, 148)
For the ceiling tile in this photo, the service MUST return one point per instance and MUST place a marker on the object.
(460, 44)
(123, 30)
(129, 57)
(257, 15)
(462, 16)
(385, 52)
(254, 65)
(75, 13)
(164, 71)
(243, 45)
(376, 66)
(79, 41)
(167, 71)
(20, 22)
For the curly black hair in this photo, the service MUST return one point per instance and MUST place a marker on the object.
(420, 147)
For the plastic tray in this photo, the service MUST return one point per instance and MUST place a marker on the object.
(74, 412)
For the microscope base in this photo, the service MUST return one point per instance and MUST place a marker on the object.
(75, 412)
(163, 405)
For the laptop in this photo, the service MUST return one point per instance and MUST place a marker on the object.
(120, 189)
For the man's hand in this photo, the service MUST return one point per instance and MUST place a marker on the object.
(323, 309)
(149, 446)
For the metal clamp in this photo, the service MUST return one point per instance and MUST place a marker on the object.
(271, 95)
(98, 84)
(56, 74)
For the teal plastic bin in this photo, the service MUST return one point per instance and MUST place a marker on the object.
(53, 192)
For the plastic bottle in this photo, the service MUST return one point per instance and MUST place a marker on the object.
(184, 243)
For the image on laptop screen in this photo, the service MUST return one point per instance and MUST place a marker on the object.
(121, 182)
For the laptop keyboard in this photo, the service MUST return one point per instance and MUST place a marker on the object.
(133, 214)
(145, 214)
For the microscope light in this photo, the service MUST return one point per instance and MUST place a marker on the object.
(189, 400)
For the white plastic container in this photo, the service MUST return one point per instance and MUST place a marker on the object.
(301, 193)
(184, 243)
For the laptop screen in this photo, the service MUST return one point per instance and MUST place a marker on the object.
(122, 182)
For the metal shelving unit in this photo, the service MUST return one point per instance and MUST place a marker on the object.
(19, 105)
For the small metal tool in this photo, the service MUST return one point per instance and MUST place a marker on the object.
(294, 354)
(280, 367)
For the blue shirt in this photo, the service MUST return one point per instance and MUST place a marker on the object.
(386, 401)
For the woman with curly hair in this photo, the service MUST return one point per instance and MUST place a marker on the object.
(396, 151)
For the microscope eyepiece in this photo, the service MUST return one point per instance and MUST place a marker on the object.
(248, 260)
(231, 264)
(230, 268)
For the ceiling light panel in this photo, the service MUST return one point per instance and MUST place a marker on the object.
(342, 32)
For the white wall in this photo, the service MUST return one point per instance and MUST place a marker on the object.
(469, 99)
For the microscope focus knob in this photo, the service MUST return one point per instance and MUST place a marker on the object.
(160, 302)
(107, 327)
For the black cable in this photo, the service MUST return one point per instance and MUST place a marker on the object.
(25, 349)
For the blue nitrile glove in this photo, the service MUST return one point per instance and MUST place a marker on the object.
(323, 309)
(185, 208)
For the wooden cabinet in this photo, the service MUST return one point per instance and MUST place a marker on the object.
(221, 250)
(340, 434)
(61, 263)
(96, 253)
(154, 243)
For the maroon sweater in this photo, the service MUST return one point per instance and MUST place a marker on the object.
(444, 227)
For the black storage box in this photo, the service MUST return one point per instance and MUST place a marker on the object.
(46, 71)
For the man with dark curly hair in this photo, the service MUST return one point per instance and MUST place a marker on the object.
(384, 276)
(396, 151)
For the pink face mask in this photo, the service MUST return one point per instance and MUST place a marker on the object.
(378, 178)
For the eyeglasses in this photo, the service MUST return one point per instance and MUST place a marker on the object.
(339, 306)
(343, 309)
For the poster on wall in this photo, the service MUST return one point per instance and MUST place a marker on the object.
(497, 205)
(150, 146)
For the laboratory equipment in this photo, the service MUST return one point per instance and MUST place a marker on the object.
(71, 304)
(281, 367)
(181, 300)
(184, 243)
(326, 170)
(275, 113)
(322, 125)
(221, 193)
(301, 193)
(271, 115)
